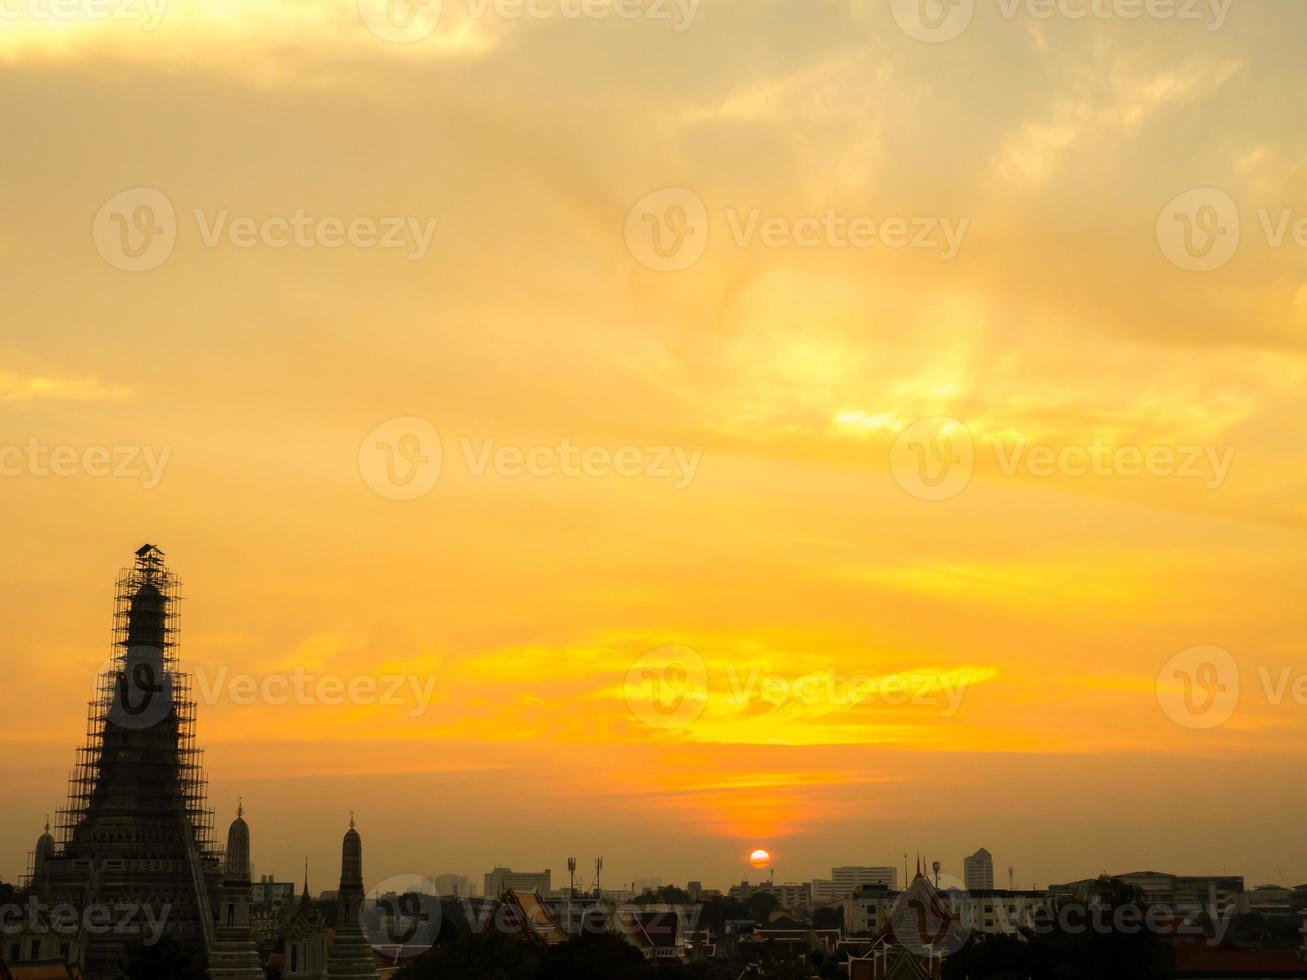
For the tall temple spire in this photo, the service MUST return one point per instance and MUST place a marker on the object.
(351, 956)
(42, 856)
(234, 954)
(137, 799)
(237, 868)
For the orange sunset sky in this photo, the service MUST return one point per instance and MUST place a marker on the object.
(794, 555)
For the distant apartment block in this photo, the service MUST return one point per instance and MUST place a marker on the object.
(1182, 893)
(999, 911)
(453, 886)
(502, 880)
(867, 908)
(978, 871)
(266, 891)
(790, 896)
(844, 881)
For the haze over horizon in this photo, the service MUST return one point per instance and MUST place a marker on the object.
(767, 523)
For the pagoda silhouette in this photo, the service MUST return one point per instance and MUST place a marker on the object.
(134, 853)
(137, 829)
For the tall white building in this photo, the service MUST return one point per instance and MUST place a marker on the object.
(978, 871)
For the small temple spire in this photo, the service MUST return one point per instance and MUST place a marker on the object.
(351, 819)
(240, 806)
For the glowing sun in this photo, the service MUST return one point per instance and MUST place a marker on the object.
(760, 859)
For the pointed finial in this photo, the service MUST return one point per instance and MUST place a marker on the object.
(47, 823)
(351, 819)
(306, 876)
(240, 806)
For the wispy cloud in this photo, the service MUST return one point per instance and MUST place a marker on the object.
(1104, 104)
(17, 388)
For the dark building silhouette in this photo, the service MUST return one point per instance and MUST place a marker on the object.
(136, 831)
(134, 854)
(351, 954)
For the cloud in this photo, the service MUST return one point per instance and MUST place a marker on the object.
(16, 388)
(292, 43)
(1107, 103)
